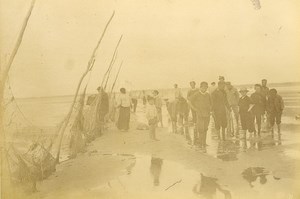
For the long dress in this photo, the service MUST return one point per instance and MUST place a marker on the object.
(124, 112)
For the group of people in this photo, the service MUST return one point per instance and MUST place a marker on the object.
(218, 101)
(221, 101)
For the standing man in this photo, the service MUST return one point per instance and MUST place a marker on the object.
(201, 101)
(233, 101)
(177, 92)
(275, 106)
(265, 93)
(151, 115)
(212, 87)
(144, 98)
(158, 105)
(259, 108)
(245, 104)
(264, 88)
(190, 93)
(102, 110)
(134, 102)
(222, 78)
(220, 106)
(124, 110)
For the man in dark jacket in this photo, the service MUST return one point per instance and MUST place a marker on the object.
(275, 106)
(201, 102)
(102, 109)
(219, 106)
(259, 107)
(158, 105)
(190, 93)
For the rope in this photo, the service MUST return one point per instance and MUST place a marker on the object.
(18, 107)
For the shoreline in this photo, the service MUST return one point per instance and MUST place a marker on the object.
(77, 178)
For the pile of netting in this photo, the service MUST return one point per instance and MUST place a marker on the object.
(32, 152)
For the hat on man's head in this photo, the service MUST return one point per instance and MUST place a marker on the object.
(244, 90)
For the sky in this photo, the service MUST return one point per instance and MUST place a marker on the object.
(164, 42)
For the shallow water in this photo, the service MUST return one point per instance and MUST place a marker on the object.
(154, 177)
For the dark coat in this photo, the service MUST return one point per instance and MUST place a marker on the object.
(202, 104)
(219, 101)
(275, 104)
(259, 102)
(244, 105)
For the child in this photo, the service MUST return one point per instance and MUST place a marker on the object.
(275, 107)
(245, 105)
(151, 115)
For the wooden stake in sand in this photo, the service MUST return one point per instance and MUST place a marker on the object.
(3, 79)
(88, 69)
(113, 86)
(106, 74)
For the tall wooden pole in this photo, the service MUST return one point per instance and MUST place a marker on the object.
(113, 86)
(112, 60)
(89, 68)
(3, 77)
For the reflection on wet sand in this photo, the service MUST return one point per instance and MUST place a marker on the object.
(155, 169)
(227, 150)
(265, 142)
(130, 167)
(208, 188)
(230, 149)
(251, 174)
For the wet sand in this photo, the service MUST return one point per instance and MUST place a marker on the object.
(130, 165)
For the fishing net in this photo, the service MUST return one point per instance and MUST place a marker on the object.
(78, 136)
(26, 146)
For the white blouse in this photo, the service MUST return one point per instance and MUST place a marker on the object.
(124, 100)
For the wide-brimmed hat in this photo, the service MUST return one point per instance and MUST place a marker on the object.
(244, 90)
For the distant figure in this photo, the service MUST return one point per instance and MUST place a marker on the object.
(265, 93)
(102, 110)
(177, 92)
(222, 78)
(201, 101)
(245, 104)
(124, 110)
(134, 102)
(220, 106)
(233, 101)
(275, 106)
(151, 115)
(212, 87)
(264, 88)
(190, 93)
(158, 105)
(144, 98)
(259, 107)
